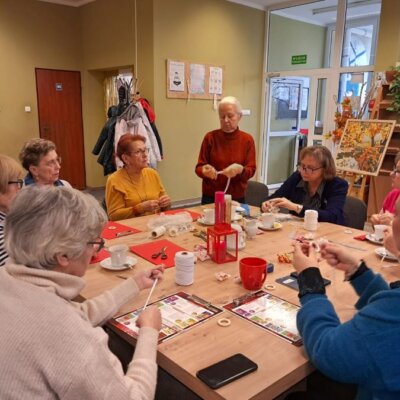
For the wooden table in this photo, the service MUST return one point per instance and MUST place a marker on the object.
(280, 364)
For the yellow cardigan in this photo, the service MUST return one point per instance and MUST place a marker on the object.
(124, 196)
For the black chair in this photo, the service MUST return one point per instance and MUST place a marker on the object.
(256, 193)
(355, 213)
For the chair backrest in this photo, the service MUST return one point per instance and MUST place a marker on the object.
(256, 193)
(355, 212)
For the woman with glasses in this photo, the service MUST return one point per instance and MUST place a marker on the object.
(11, 182)
(51, 346)
(385, 216)
(314, 186)
(39, 157)
(134, 189)
(227, 158)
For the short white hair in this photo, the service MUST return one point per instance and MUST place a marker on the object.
(233, 101)
(45, 222)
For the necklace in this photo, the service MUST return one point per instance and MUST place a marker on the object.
(134, 184)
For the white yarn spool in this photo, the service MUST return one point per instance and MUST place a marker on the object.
(157, 232)
(184, 268)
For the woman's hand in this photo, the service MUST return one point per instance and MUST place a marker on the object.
(385, 218)
(339, 257)
(145, 279)
(164, 201)
(389, 243)
(150, 317)
(209, 172)
(304, 256)
(150, 206)
(282, 202)
(232, 170)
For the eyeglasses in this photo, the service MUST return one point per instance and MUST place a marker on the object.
(19, 182)
(395, 171)
(54, 163)
(143, 152)
(307, 170)
(100, 243)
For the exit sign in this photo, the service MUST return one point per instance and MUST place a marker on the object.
(299, 59)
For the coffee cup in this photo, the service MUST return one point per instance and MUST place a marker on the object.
(118, 254)
(267, 220)
(253, 272)
(230, 240)
(251, 227)
(209, 215)
(380, 232)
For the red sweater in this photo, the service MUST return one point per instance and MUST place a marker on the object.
(221, 149)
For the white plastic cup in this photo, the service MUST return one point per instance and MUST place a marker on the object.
(209, 215)
(311, 220)
(118, 254)
(380, 232)
(268, 220)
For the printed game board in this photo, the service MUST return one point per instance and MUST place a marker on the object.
(179, 312)
(269, 312)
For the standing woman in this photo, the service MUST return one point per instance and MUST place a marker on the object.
(135, 189)
(226, 153)
(11, 182)
(39, 157)
(314, 186)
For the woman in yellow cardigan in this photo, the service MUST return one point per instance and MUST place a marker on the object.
(135, 189)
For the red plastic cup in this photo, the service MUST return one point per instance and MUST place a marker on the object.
(253, 272)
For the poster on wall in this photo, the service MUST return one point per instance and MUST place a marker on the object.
(197, 79)
(363, 145)
(176, 76)
(215, 83)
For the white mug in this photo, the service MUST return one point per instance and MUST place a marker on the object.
(380, 232)
(311, 220)
(268, 220)
(209, 215)
(118, 254)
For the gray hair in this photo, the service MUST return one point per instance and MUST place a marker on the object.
(233, 101)
(45, 223)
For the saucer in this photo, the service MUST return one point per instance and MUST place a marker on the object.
(381, 251)
(275, 227)
(106, 263)
(371, 238)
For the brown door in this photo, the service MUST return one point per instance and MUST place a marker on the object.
(60, 120)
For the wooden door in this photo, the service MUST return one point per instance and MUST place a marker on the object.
(60, 120)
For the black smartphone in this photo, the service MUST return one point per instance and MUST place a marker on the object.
(226, 371)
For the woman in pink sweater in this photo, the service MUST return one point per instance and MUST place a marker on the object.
(52, 347)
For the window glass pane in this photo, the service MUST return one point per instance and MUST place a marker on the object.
(359, 42)
(298, 36)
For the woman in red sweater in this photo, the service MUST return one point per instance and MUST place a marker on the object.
(226, 153)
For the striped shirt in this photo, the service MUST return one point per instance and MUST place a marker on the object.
(3, 254)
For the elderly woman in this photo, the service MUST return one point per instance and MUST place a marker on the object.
(226, 153)
(51, 346)
(11, 182)
(314, 186)
(39, 157)
(385, 216)
(135, 189)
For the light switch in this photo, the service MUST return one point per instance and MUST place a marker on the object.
(28, 109)
(246, 112)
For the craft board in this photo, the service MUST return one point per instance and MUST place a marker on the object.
(179, 311)
(269, 312)
(113, 230)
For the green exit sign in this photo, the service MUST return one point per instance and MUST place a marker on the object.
(299, 59)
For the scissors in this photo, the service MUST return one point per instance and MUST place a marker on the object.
(160, 253)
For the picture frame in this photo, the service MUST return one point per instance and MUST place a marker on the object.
(363, 145)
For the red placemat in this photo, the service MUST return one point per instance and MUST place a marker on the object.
(113, 229)
(100, 256)
(194, 215)
(147, 249)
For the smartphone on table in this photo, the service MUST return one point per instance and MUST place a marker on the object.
(226, 371)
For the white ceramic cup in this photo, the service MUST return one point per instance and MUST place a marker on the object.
(251, 227)
(268, 220)
(311, 220)
(380, 231)
(118, 254)
(209, 215)
(230, 240)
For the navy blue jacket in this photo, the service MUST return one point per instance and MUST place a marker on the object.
(332, 199)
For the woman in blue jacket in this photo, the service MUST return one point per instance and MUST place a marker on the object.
(314, 186)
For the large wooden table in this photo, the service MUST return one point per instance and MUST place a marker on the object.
(280, 364)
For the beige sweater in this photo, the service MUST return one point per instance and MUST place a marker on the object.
(50, 347)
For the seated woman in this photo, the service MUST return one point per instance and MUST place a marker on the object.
(51, 237)
(314, 186)
(11, 182)
(226, 153)
(39, 157)
(134, 189)
(385, 217)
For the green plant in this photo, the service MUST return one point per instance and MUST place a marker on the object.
(394, 89)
